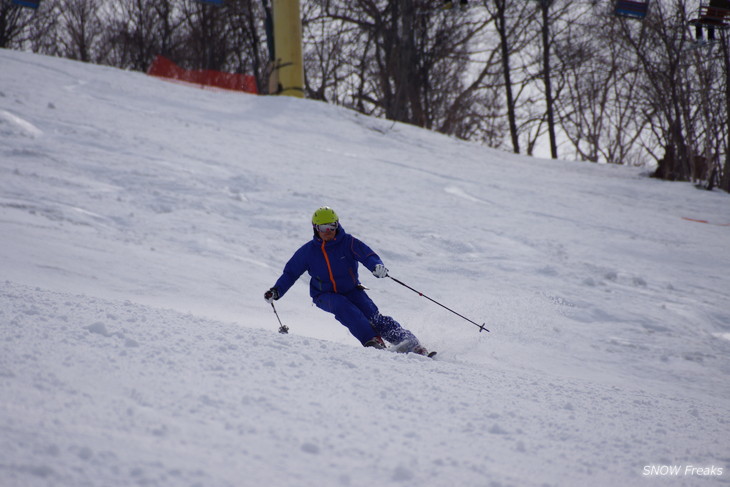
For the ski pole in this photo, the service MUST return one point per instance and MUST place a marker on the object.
(481, 327)
(282, 328)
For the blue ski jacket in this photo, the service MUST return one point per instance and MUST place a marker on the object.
(332, 265)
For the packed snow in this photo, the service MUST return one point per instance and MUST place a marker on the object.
(141, 222)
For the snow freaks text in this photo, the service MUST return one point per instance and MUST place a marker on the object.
(681, 470)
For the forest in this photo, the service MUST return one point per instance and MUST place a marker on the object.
(641, 83)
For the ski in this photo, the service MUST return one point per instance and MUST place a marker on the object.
(396, 349)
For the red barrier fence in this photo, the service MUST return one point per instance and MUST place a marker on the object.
(165, 68)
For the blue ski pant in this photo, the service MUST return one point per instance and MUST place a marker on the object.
(360, 315)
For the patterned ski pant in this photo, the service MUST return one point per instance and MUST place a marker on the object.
(360, 315)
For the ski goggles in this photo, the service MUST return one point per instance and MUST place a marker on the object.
(327, 227)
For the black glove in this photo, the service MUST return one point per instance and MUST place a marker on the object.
(271, 295)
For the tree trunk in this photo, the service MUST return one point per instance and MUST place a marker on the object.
(725, 182)
(545, 7)
(504, 41)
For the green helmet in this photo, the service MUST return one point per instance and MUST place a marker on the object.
(324, 215)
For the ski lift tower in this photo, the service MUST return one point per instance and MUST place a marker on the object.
(289, 67)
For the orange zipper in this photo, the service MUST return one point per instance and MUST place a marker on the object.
(329, 267)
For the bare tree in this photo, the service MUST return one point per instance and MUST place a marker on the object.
(137, 32)
(503, 73)
(328, 47)
(207, 44)
(249, 52)
(598, 112)
(42, 31)
(547, 74)
(504, 41)
(406, 60)
(14, 23)
(660, 52)
(725, 145)
(81, 29)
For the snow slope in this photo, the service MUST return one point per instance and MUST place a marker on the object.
(141, 221)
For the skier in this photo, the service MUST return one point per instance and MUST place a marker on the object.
(331, 258)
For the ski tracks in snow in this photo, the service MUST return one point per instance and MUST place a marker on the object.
(123, 394)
